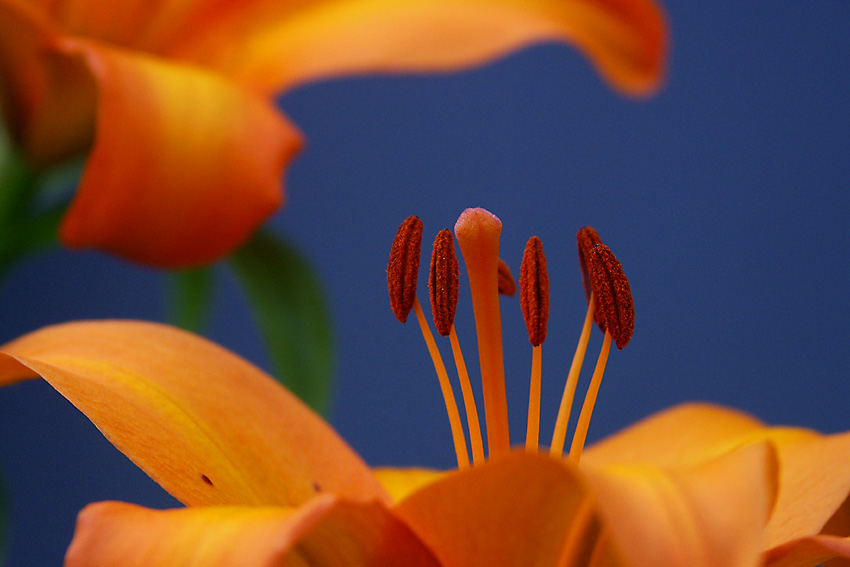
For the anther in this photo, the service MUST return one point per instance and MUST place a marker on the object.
(534, 301)
(443, 282)
(507, 285)
(534, 291)
(613, 294)
(587, 238)
(403, 268)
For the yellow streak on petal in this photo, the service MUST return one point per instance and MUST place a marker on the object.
(206, 425)
(400, 483)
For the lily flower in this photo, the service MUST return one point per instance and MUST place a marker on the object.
(267, 482)
(173, 100)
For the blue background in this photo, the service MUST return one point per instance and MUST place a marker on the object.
(725, 198)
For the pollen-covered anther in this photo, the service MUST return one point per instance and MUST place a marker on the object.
(534, 291)
(507, 284)
(443, 282)
(612, 293)
(587, 238)
(403, 267)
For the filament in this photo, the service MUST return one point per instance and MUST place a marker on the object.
(589, 401)
(561, 424)
(468, 401)
(448, 395)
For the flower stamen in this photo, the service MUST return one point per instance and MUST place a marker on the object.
(615, 308)
(443, 286)
(563, 420)
(403, 267)
(402, 275)
(458, 436)
(477, 232)
(534, 301)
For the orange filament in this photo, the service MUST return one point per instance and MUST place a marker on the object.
(468, 402)
(448, 395)
(561, 424)
(533, 432)
(589, 401)
(477, 232)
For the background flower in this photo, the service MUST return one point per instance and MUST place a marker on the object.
(172, 99)
(725, 197)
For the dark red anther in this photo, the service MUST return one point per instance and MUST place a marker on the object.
(403, 268)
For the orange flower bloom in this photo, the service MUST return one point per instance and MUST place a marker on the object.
(267, 482)
(174, 98)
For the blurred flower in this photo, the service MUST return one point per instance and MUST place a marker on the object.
(173, 99)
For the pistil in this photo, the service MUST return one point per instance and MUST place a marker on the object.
(478, 232)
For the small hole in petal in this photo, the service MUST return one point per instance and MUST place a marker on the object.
(206, 479)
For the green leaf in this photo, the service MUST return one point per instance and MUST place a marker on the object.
(289, 304)
(191, 298)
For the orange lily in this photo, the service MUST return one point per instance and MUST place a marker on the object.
(174, 98)
(267, 482)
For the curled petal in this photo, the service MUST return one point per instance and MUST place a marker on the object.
(281, 44)
(708, 516)
(326, 531)
(184, 166)
(206, 425)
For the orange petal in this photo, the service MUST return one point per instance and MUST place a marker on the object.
(48, 101)
(814, 481)
(206, 425)
(512, 511)
(184, 165)
(274, 45)
(400, 483)
(679, 436)
(711, 515)
(809, 552)
(326, 531)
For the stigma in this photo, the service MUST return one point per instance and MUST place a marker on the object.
(609, 304)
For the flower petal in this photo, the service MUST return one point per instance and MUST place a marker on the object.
(206, 425)
(274, 45)
(184, 165)
(400, 483)
(679, 436)
(814, 481)
(512, 511)
(809, 552)
(49, 123)
(711, 515)
(326, 531)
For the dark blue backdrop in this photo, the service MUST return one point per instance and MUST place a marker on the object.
(725, 198)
